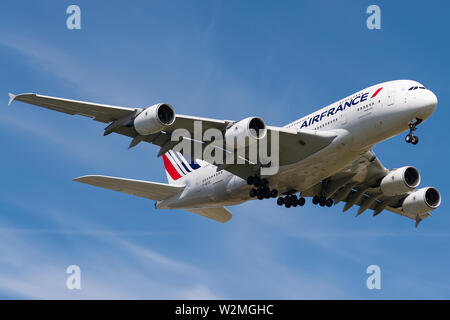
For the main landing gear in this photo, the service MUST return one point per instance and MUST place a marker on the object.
(291, 200)
(262, 190)
(322, 201)
(410, 138)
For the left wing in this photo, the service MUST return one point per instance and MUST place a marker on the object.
(359, 184)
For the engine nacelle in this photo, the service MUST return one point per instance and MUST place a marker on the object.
(421, 201)
(400, 181)
(154, 119)
(245, 133)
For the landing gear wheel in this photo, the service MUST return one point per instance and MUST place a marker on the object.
(301, 202)
(250, 180)
(322, 201)
(274, 193)
(257, 182)
(280, 201)
(294, 201)
(265, 192)
(253, 193)
(412, 127)
(315, 199)
(260, 194)
(408, 138)
(329, 202)
(287, 205)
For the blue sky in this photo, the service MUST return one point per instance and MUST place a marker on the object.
(220, 59)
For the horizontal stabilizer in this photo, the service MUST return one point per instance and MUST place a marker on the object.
(219, 214)
(145, 189)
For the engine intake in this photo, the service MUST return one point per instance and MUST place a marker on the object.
(154, 119)
(245, 133)
(400, 181)
(421, 201)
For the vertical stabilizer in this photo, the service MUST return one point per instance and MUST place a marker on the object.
(177, 167)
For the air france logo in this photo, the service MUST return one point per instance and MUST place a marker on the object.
(333, 110)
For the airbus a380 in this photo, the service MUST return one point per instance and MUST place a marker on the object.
(325, 155)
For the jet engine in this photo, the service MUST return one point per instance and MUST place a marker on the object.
(154, 119)
(245, 133)
(421, 201)
(400, 181)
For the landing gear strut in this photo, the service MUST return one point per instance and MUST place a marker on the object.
(410, 137)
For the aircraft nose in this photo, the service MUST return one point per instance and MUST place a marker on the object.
(431, 99)
(428, 104)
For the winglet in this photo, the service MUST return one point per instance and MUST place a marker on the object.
(11, 98)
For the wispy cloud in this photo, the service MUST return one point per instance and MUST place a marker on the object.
(88, 233)
(87, 79)
(204, 67)
(103, 275)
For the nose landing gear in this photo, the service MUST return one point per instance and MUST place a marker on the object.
(410, 138)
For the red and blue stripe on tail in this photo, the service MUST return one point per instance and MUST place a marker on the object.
(177, 166)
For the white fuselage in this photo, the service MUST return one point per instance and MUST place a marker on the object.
(362, 120)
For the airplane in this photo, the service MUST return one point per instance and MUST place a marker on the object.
(326, 155)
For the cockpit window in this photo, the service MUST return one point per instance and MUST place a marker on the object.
(415, 88)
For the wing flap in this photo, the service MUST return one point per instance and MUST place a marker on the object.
(219, 214)
(188, 123)
(144, 189)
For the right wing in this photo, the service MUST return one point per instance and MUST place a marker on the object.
(144, 189)
(294, 145)
(99, 112)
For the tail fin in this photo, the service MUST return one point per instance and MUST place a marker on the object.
(177, 167)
